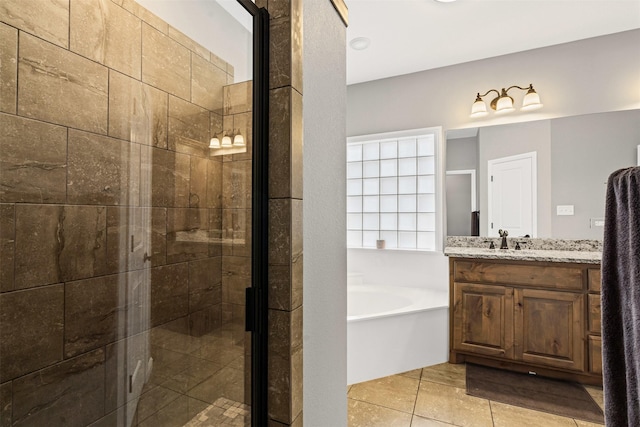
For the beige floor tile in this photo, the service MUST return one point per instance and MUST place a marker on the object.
(447, 374)
(452, 405)
(581, 423)
(394, 392)
(416, 373)
(509, 416)
(363, 414)
(597, 394)
(425, 422)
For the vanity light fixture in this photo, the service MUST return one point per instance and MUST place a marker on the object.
(503, 103)
(228, 141)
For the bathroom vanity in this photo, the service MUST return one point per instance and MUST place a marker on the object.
(534, 311)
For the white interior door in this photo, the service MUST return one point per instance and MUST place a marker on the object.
(512, 195)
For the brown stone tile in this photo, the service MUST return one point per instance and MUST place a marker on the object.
(205, 278)
(7, 246)
(83, 230)
(56, 243)
(188, 127)
(158, 236)
(214, 184)
(447, 374)
(238, 98)
(169, 293)
(280, 53)
(452, 405)
(94, 313)
(236, 232)
(31, 333)
(236, 277)
(33, 167)
(71, 392)
(215, 232)
(108, 34)
(187, 234)
(280, 285)
(296, 45)
(37, 245)
(154, 400)
(61, 87)
(363, 414)
(206, 320)
(102, 170)
(507, 416)
(165, 63)
(121, 358)
(137, 112)
(198, 182)
(296, 151)
(280, 147)
(169, 174)
(285, 364)
(236, 185)
(296, 229)
(47, 20)
(280, 231)
(207, 83)
(395, 392)
(227, 382)
(125, 248)
(189, 43)
(8, 68)
(144, 14)
(5, 404)
(177, 413)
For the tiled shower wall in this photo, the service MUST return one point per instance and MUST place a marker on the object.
(114, 219)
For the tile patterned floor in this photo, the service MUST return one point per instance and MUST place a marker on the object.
(435, 396)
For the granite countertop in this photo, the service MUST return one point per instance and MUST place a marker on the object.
(588, 257)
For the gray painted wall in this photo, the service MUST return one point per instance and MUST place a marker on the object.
(585, 150)
(462, 153)
(589, 76)
(325, 257)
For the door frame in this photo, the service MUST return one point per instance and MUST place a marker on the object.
(256, 297)
(533, 155)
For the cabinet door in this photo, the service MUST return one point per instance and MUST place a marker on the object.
(483, 319)
(550, 328)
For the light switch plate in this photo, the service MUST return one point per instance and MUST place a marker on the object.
(597, 222)
(564, 210)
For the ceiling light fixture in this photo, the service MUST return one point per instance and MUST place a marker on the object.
(360, 43)
(503, 103)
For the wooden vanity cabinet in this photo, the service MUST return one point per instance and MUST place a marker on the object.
(528, 316)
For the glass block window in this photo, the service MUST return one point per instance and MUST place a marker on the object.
(391, 192)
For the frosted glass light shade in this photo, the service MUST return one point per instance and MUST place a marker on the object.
(479, 108)
(214, 143)
(238, 140)
(531, 100)
(504, 104)
(226, 141)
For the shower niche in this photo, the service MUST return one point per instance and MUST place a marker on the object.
(127, 244)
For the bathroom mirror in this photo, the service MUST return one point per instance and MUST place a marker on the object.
(573, 158)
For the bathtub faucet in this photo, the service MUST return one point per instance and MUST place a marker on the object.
(503, 234)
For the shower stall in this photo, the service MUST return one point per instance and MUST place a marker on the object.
(132, 213)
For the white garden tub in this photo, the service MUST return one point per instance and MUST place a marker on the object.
(393, 329)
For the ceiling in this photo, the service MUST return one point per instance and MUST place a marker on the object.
(414, 35)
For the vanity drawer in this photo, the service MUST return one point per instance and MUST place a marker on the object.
(594, 280)
(541, 275)
(594, 314)
(595, 354)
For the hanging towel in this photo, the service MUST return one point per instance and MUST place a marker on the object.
(621, 299)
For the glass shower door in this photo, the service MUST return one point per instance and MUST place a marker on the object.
(126, 213)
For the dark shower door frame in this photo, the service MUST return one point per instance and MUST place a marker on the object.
(256, 296)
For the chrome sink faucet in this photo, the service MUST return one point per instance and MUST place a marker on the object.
(503, 234)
